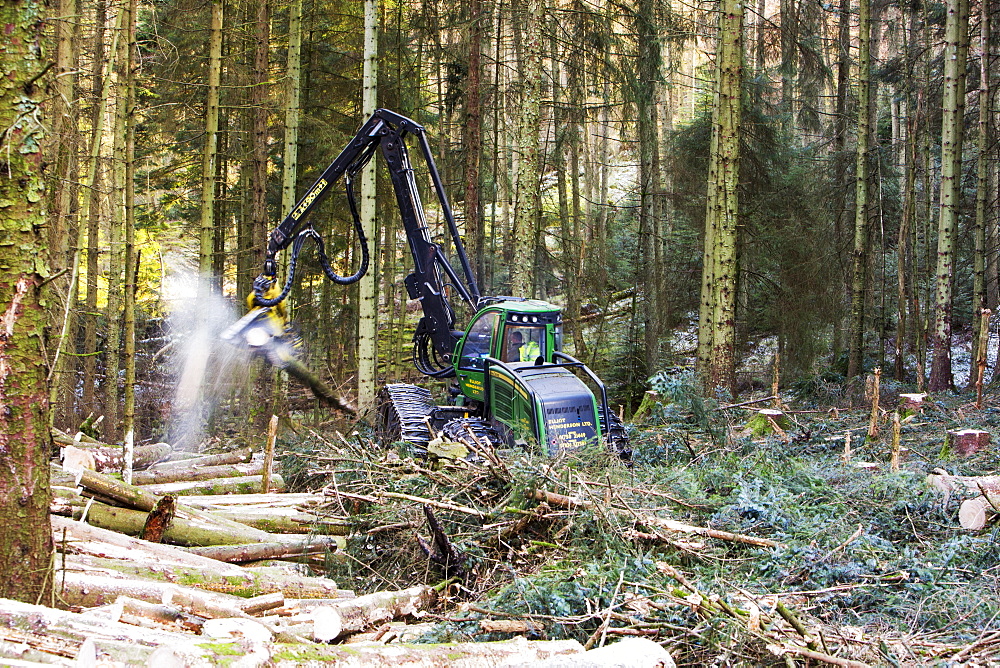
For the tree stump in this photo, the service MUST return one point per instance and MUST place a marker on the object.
(911, 404)
(965, 442)
(768, 421)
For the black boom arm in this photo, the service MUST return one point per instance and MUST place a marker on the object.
(436, 336)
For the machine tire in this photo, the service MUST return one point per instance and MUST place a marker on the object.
(403, 412)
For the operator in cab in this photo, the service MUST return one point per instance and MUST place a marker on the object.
(519, 350)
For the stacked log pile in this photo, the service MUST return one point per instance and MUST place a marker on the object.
(179, 569)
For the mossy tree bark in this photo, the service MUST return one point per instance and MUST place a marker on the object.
(528, 209)
(26, 539)
(716, 328)
(210, 154)
(952, 121)
(980, 298)
(859, 276)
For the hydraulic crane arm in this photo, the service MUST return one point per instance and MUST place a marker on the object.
(435, 337)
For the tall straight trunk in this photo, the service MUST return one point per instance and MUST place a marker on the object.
(368, 286)
(840, 152)
(859, 274)
(116, 235)
(527, 150)
(91, 202)
(789, 44)
(293, 94)
(718, 370)
(644, 89)
(64, 237)
(26, 539)
(904, 245)
(979, 296)
(577, 244)
(128, 317)
(906, 265)
(259, 219)
(953, 113)
(472, 130)
(210, 155)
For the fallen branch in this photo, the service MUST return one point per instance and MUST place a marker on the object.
(430, 502)
(649, 520)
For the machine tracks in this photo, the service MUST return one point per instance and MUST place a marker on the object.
(404, 411)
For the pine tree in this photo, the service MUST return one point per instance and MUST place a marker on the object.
(25, 443)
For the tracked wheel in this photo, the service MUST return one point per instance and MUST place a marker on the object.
(403, 414)
(475, 433)
(616, 437)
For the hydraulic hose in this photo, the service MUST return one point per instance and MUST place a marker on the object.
(263, 282)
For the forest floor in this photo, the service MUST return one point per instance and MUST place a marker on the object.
(853, 562)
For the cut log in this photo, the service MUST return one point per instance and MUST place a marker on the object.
(650, 401)
(268, 465)
(242, 582)
(508, 626)
(633, 652)
(515, 652)
(234, 457)
(943, 482)
(155, 615)
(296, 499)
(100, 550)
(192, 473)
(198, 531)
(140, 498)
(974, 513)
(257, 551)
(263, 603)
(57, 633)
(110, 457)
(238, 485)
(89, 590)
(768, 421)
(965, 442)
(364, 612)
(284, 520)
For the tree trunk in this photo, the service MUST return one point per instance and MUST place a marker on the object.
(26, 540)
(952, 122)
(116, 236)
(644, 88)
(210, 155)
(859, 274)
(979, 278)
(368, 285)
(64, 238)
(716, 331)
(91, 202)
(472, 130)
(527, 153)
(131, 256)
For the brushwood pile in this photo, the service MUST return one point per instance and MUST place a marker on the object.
(778, 530)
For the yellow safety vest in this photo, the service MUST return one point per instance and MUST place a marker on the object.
(530, 351)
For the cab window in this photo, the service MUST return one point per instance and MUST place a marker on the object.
(478, 341)
(523, 343)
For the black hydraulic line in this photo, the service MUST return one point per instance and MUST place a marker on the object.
(387, 131)
(605, 408)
